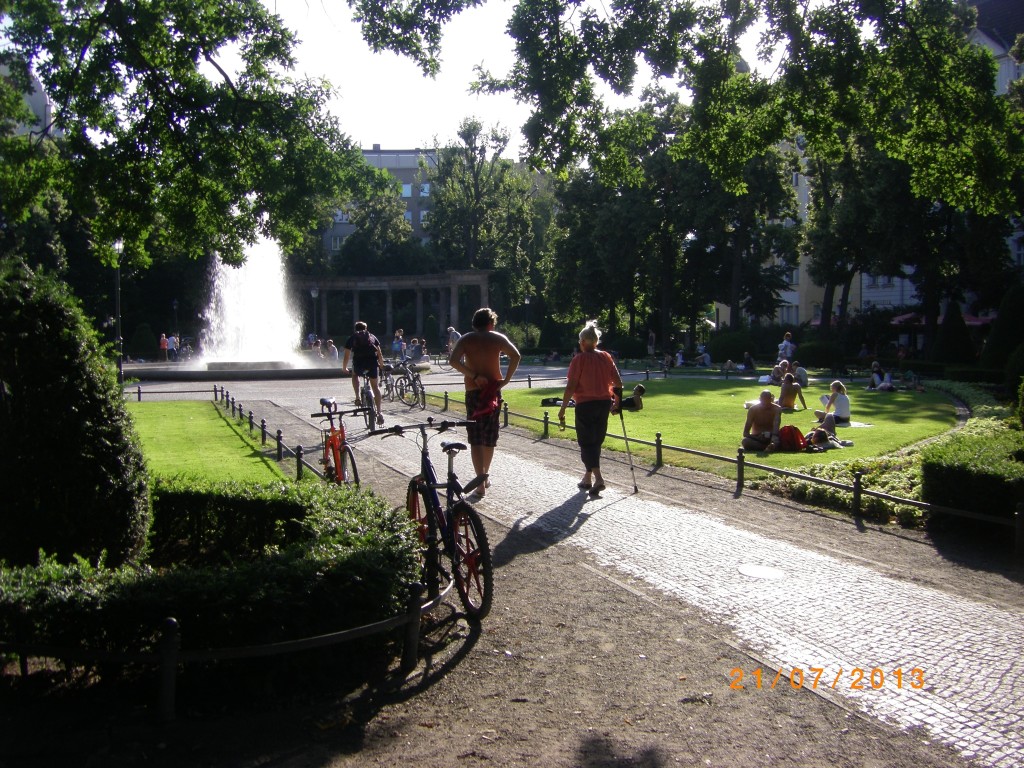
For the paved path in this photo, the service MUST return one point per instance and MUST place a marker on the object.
(929, 655)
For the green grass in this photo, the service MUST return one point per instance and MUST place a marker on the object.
(708, 415)
(196, 439)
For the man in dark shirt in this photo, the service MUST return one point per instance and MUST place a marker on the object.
(363, 349)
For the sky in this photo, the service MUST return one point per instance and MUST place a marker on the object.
(383, 98)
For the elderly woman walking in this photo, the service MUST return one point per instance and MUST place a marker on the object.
(594, 383)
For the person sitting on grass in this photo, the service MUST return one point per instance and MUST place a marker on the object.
(837, 402)
(761, 430)
(800, 373)
(791, 391)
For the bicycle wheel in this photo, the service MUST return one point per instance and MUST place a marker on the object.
(366, 397)
(443, 364)
(471, 561)
(407, 391)
(347, 471)
(421, 393)
(388, 387)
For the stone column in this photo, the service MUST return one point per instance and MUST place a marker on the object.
(419, 313)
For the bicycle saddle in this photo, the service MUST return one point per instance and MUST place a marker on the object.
(452, 447)
(327, 402)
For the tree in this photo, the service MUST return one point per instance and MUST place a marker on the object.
(480, 208)
(901, 70)
(156, 139)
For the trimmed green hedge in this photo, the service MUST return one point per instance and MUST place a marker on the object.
(328, 559)
(977, 472)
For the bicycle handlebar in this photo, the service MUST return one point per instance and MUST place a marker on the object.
(440, 426)
(329, 414)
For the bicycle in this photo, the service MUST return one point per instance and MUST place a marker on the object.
(454, 522)
(386, 382)
(443, 363)
(367, 403)
(338, 460)
(409, 386)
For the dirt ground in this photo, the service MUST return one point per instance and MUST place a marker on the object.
(576, 666)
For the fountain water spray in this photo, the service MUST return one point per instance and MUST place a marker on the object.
(249, 318)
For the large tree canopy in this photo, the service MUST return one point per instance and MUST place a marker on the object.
(902, 70)
(173, 123)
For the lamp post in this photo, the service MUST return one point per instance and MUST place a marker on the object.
(526, 301)
(118, 249)
(314, 292)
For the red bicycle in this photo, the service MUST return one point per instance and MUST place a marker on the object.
(338, 460)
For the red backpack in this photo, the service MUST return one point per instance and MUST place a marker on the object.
(791, 439)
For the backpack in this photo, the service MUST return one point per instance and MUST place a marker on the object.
(362, 346)
(791, 439)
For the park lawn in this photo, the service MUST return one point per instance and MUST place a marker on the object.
(708, 415)
(196, 439)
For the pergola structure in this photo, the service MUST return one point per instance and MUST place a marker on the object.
(446, 284)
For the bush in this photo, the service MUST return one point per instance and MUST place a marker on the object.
(972, 374)
(730, 345)
(143, 344)
(1007, 332)
(81, 487)
(975, 472)
(821, 354)
(953, 343)
(344, 558)
(1015, 369)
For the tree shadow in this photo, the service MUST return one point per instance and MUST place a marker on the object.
(599, 752)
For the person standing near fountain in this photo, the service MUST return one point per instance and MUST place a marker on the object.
(363, 349)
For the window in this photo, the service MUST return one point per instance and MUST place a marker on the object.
(789, 314)
(341, 217)
(407, 190)
(408, 216)
(336, 241)
(425, 190)
(872, 281)
(424, 217)
(793, 278)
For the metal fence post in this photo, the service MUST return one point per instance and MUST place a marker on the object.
(856, 491)
(138, 392)
(170, 644)
(739, 472)
(546, 422)
(280, 446)
(226, 399)
(250, 422)
(263, 431)
(529, 381)
(411, 647)
(658, 460)
(215, 396)
(298, 462)
(647, 374)
(506, 412)
(232, 407)
(1018, 545)
(445, 406)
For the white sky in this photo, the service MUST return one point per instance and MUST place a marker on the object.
(384, 99)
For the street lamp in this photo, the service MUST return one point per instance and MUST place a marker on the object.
(118, 249)
(314, 292)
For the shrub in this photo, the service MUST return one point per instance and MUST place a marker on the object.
(143, 343)
(953, 343)
(821, 354)
(975, 472)
(1007, 332)
(730, 345)
(80, 486)
(1015, 369)
(344, 559)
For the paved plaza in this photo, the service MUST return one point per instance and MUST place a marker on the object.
(813, 601)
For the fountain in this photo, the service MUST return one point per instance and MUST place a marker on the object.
(249, 322)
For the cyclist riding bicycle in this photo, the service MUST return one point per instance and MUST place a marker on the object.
(363, 349)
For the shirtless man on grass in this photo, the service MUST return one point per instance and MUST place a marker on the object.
(477, 356)
(761, 432)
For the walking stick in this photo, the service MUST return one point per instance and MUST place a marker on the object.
(629, 452)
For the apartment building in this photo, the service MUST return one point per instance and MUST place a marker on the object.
(404, 165)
